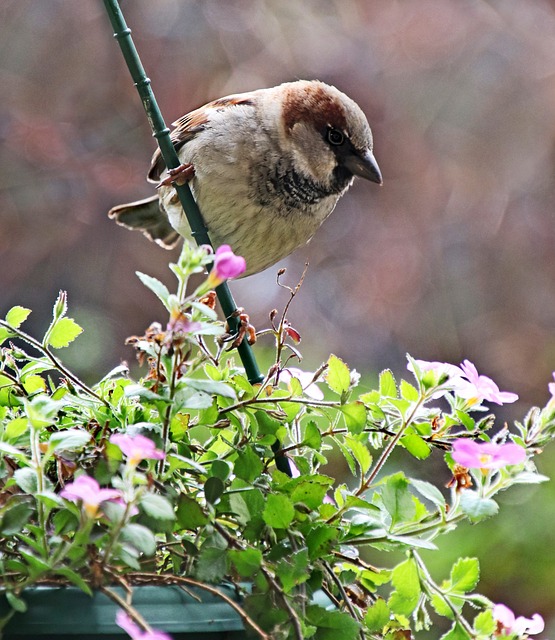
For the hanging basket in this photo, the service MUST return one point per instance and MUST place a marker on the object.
(68, 613)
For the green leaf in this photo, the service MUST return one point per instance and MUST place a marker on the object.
(429, 491)
(332, 624)
(160, 290)
(213, 489)
(16, 316)
(441, 607)
(15, 514)
(354, 415)
(69, 440)
(157, 507)
(377, 616)
(387, 386)
(248, 465)
(404, 578)
(246, 561)
(211, 564)
(416, 446)
(189, 398)
(75, 579)
(338, 376)
(484, 624)
(26, 479)
(139, 537)
(464, 575)
(16, 428)
(293, 570)
(408, 391)
(63, 333)
(278, 512)
(397, 499)
(311, 490)
(312, 436)
(360, 452)
(16, 603)
(477, 508)
(189, 513)
(209, 386)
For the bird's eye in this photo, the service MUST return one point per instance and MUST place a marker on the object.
(334, 136)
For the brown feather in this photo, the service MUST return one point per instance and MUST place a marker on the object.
(187, 127)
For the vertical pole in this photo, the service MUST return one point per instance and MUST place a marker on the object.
(162, 134)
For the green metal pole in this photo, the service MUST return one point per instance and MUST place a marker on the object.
(162, 134)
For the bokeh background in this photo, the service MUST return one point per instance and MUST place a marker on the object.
(452, 258)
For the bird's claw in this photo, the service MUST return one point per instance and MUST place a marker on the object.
(244, 330)
(180, 175)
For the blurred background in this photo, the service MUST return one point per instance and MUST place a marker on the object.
(452, 258)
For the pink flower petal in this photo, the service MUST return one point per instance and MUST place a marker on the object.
(137, 448)
(227, 265)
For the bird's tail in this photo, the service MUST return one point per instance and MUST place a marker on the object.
(146, 216)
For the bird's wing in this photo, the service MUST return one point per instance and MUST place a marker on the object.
(188, 126)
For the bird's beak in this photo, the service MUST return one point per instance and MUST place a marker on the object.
(364, 165)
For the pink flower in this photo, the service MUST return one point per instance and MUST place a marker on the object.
(306, 380)
(135, 632)
(477, 388)
(486, 455)
(137, 448)
(508, 624)
(551, 387)
(88, 490)
(226, 265)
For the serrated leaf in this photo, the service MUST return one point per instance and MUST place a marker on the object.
(464, 575)
(157, 507)
(160, 290)
(405, 598)
(312, 436)
(387, 386)
(211, 564)
(416, 446)
(360, 452)
(189, 513)
(63, 333)
(332, 624)
(354, 414)
(477, 508)
(278, 512)
(293, 570)
(338, 376)
(441, 607)
(16, 316)
(248, 465)
(484, 624)
(397, 499)
(377, 616)
(246, 561)
(16, 428)
(15, 514)
(408, 391)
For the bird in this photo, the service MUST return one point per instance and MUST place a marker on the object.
(265, 167)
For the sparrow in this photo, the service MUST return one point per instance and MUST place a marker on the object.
(266, 168)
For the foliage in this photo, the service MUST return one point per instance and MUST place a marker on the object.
(203, 501)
